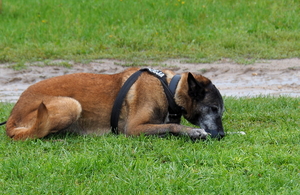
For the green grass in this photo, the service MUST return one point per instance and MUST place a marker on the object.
(264, 161)
(200, 30)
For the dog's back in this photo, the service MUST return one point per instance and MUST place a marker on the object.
(62, 100)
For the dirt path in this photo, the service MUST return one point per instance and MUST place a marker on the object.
(274, 77)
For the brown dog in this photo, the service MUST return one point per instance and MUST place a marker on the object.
(82, 103)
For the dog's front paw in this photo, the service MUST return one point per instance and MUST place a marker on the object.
(198, 134)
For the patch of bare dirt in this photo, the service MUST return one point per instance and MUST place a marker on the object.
(270, 77)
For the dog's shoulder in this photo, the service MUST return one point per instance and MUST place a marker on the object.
(124, 75)
(169, 73)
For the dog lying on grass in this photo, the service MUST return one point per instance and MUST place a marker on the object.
(85, 103)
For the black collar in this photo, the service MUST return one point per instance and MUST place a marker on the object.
(174, 82)
(173, 86)
(175, 111)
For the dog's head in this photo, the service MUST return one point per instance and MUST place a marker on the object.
(205, 107)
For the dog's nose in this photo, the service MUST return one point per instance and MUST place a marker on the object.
(221, 134)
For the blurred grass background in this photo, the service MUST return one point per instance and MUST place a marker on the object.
(200, 30)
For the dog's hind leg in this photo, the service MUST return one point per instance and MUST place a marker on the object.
(52, 115)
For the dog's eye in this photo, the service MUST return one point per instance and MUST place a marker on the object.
(214, 109)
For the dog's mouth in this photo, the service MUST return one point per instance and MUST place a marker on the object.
(215, 134)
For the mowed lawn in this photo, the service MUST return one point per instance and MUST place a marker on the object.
(138, 30)
(264, 161)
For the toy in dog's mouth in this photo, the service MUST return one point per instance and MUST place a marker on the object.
(216, 134)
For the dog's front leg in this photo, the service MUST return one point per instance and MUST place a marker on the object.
(162, 129)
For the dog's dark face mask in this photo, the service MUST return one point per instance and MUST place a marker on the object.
(207, 108)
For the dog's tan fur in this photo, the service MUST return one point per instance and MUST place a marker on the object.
(82, 103)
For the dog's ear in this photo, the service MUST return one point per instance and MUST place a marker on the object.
(196, 89)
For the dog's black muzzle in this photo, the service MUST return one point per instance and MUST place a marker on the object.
(216, 134)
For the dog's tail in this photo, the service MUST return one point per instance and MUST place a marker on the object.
(38, 130)
(3, 123)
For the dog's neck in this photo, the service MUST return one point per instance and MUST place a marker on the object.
(175, 111)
